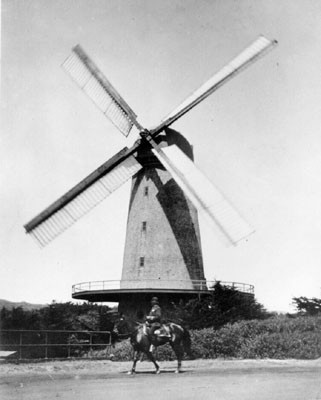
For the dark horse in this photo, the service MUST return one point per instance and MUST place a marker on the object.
(180, 340)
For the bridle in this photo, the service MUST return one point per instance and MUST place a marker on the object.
(128, 334)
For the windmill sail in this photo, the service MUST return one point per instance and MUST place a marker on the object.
(83, 197)
(255, 51)
(203, 194)
(112, 174)
(92, 81)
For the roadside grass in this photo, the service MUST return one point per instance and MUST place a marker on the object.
(279, 337)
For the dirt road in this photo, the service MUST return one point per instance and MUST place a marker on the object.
(200, 379)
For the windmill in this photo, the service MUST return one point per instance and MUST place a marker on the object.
(163, 249)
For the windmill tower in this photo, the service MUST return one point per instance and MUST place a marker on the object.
(163, 237)
(163, 249)
(163, 244)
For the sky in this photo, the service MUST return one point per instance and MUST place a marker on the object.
(257, 138)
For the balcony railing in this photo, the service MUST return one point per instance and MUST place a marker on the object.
(157, 284)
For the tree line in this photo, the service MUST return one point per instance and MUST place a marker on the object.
(221, 307)
(58, 316)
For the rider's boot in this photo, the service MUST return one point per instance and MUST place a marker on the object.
(152, 343)
(152, 346)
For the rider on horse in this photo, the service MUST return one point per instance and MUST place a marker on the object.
(154, 322)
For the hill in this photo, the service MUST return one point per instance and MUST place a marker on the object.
(9, 305)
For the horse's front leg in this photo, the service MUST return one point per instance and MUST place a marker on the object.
(136, 358)
(152, 358)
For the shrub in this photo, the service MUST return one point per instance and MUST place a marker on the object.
(307, 306)
(221, 305)
(122, 351)
(277, 337)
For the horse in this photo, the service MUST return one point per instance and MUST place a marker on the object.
(179, 340)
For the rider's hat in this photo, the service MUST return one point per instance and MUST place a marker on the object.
(154, 300)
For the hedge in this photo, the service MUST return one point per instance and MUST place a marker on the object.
(277, 337)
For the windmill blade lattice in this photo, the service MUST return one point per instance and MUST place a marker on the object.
(204, 195)
(112, 174)
(92, 81)
(252, 53)
(82, 198)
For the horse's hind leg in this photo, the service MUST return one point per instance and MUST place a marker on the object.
(179, 352)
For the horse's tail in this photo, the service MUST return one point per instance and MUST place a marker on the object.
(187, 343)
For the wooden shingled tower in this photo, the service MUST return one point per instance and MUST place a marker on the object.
(163, 254)
(163, 244)
(163, 237)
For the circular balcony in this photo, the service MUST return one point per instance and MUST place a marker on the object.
(114, 290)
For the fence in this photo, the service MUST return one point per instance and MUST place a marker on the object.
(32, 344)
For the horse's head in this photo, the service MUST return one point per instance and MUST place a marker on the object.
(124, 327)
(121, 326)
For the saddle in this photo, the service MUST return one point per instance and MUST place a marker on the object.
(162, 332)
